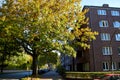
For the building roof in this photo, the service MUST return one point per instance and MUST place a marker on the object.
(105, 6)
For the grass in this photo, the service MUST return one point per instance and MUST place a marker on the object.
(30, 78)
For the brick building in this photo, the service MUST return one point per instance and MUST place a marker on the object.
(104, 53)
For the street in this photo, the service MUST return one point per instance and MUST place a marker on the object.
(51, 75)
(15, 75)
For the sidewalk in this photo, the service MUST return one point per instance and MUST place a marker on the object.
(9, 71)
(51, 75)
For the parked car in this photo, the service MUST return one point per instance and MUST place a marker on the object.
(109, 77)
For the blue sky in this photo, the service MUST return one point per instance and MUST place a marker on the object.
(112, 3)
(0, 2)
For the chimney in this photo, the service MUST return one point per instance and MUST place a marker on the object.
(105, 5)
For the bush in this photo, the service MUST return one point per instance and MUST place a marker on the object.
(61, 70)
(29, 78)
(86, 75)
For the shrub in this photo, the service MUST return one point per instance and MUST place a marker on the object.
(86, 75)
(61, 70)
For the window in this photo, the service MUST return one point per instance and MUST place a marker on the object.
(117, 36)
(103, 23)
(115, 13)
(105, 66)
(113, 66)
(116, 24)
(119, 65)
(118, 50)
(105, 36)
(101, 12)
(107, 50)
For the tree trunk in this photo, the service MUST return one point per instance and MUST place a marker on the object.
(2, 65)
(35, 65)
(1, 70)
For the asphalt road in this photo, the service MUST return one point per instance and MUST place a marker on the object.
(15, 75)
(51, 75)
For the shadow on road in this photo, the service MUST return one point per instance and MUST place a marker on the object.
(51, 75)
(14, 75)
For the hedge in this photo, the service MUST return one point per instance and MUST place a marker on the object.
(87, 75)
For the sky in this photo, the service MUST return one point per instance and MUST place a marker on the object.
(112, 3)
(1, 2)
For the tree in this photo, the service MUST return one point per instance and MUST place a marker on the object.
(41, 26)
(8, 47)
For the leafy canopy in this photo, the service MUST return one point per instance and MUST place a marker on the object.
(42, 26)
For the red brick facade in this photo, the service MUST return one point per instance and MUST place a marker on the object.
(106, 21)
(98, 61)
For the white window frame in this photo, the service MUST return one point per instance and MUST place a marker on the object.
(107, 50)
(103, 23)
(117, 37)
(114, 67)
(118, 50)
(101, 12)
(119, 65)
(105, 36)
(115, 13)
(116, 24)
(105, 66)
